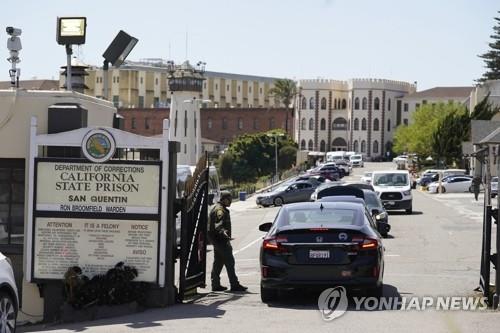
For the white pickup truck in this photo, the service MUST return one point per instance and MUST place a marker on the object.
(394, 189)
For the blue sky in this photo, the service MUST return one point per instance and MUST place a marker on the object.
(433, 42)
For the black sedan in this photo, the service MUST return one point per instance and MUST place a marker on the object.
(321, 244)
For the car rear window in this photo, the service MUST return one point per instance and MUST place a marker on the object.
(315, 217)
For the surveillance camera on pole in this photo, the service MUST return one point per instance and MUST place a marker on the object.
(14, 46)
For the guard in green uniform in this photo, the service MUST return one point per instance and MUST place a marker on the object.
(219, 231)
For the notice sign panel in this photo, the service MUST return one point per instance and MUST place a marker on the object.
(97, 188)
(95, 246)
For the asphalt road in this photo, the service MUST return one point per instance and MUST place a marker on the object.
(433, 252)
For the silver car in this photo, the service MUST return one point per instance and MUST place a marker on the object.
(295, 192)
(8, 296)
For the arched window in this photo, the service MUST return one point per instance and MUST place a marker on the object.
(323, 124)
(375, 147)
(224, 123)
(323, 103)
(209, 123)
(363, 124)
(310, 145)
(335, 104)
(356, 103)
(375, 125)
(271, 123)
(322, 146)
(356, 146)
(339, 144)
(311, 103)
(376, 104)
(363, 146)
(303, 144)
(240, 123)
(356, 124)
(344, 104)
(303, 124)
(389, 105)
(364, 105)
(388, 125)
(339, 124)
(185, 122)
(311, 124)
(304, 103)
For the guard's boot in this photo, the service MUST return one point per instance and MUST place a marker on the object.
(219, 288)
(238, 288)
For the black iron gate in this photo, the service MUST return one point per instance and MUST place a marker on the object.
(194, 221)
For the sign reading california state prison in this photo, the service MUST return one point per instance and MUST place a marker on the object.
(95, 245)
(97, 188)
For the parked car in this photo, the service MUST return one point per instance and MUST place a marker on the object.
(427, 178)
(361, 186)
(451, 184)
(345, 166)
(321, 244)
(295, 192)
(400, 159)
(369, 199)
(9, 300)
(356, 160)
(330, 172)
(494, 187)
(314, 195)
(367, 177)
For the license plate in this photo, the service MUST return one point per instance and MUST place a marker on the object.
(315, 254)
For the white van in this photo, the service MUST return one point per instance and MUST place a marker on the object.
(356, 160)
(334, 156)
(394, 189)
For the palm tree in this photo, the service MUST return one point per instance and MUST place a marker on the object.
(285, 90)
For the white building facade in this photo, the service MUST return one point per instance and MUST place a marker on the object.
(357, 115)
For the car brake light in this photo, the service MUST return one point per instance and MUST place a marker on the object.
(319, 229)
(365, 243)
(274, 243)
(369, 244)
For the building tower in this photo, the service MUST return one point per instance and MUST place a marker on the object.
(186, 85)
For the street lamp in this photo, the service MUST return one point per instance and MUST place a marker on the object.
(275, 135)
(116, 53)
(70, 31)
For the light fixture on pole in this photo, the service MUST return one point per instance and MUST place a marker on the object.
(116, 53)
(275, 135)
(70, 31)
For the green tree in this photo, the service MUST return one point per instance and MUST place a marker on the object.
(448, 137)
(285, 91)
(254, 154)
(287, 157)
(492, 57)
(225, 165)
(417, 137)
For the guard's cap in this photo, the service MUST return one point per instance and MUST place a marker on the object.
(225, 195)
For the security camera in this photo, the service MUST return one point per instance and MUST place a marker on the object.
(14, 32)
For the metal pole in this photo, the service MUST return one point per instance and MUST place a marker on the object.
(69, 52)
(496, 297)
(105, 68)
(276, 154)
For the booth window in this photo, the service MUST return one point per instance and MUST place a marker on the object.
(11, 205)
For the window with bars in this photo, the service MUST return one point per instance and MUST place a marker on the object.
(11, 205)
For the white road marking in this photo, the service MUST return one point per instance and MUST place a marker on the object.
(393, 255)
(247, 246)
